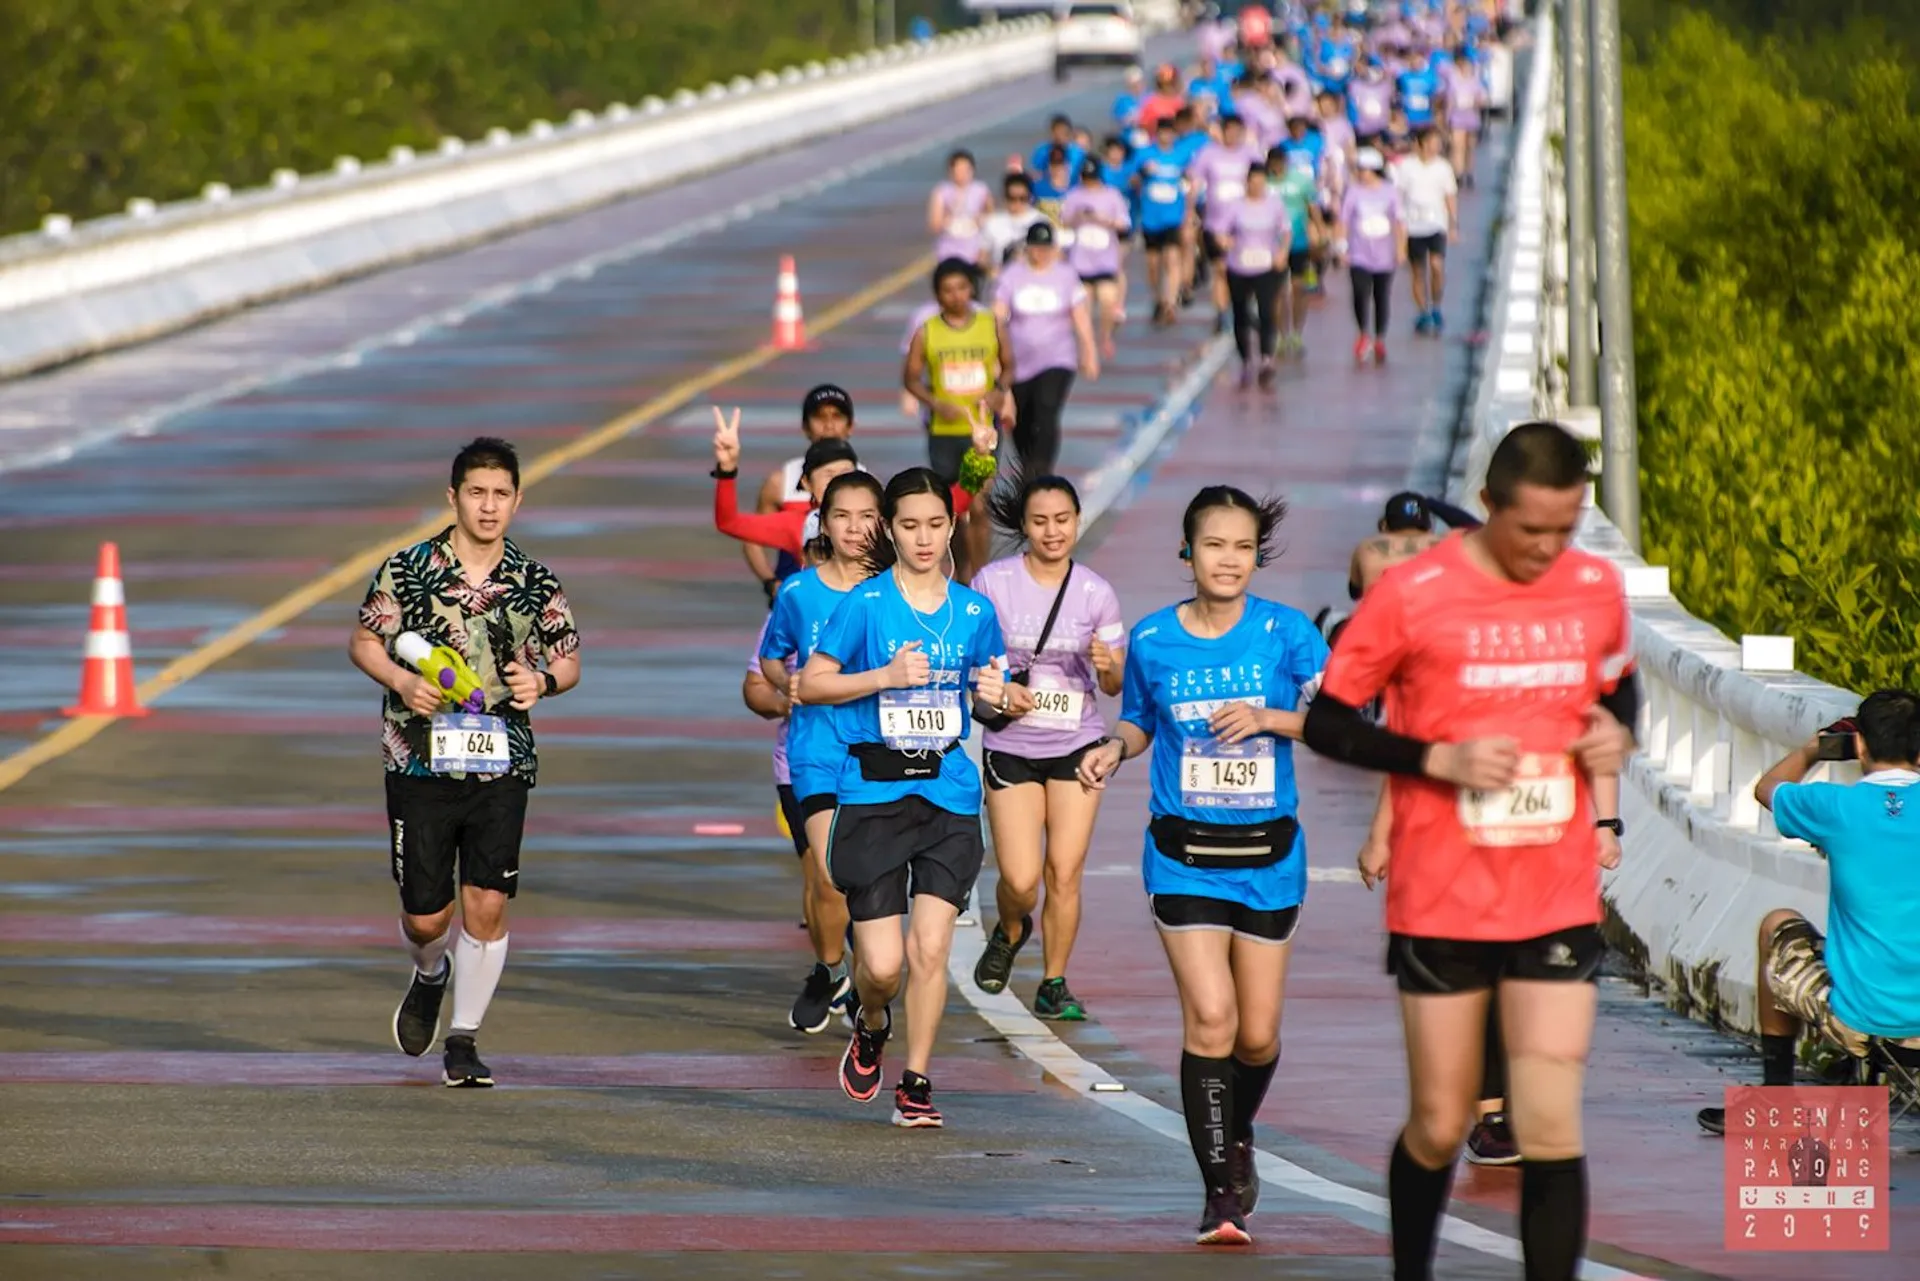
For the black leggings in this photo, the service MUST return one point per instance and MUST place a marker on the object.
(1260, 295)
(1037, 403)
(1371, 290)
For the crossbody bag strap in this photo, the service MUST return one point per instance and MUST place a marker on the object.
(1046, 629)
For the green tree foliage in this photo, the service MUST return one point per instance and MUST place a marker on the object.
(1775, 219)
(105, 100)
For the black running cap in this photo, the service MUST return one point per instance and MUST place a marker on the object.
(822, 396)
(822, 452)
(1040, 233)
(1407, 511)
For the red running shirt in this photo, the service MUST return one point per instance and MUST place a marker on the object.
(1460, 655)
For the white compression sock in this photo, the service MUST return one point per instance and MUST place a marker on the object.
(427, 957)
(476, 973)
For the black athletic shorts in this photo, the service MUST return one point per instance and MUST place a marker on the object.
(818, 803)
(1181, 912)
(1102, 278)
(1215, 251)
(882, 856)
(1169, 238)
(437, 824)
(795, 816)
(1438, 967)
(1003, 769)
(1420, 248)
(944, 454)
(1298, 261)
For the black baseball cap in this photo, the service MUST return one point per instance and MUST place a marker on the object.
(826, 394)
(822, 452)
(1407, 511)
(1040, 233)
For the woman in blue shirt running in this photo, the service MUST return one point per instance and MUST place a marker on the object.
(1213, 689)
(899, 662)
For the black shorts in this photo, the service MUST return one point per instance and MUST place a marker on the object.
(818, 803)
(1438, 967)
(1167, 239)
(944, 454)
(435, 823)
(882, 856)
(1298, 261)
(1004, 769)
(1103, 278)
(1420, 248)
(795, 816)
(1181, 912)
(1216, 252)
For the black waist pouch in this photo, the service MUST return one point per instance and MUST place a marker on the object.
(881, 764)
(1220, 845)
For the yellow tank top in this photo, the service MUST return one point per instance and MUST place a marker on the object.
(961, 364)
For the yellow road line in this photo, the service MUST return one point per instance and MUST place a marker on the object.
(361, 565)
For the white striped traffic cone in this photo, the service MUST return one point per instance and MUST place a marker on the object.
(106, 675)
(789, 324)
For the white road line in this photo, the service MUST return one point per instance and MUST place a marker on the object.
(1035, 1041)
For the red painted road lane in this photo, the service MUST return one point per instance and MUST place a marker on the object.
(549, 820)
(959, 1074)
(530, 933)
(438, 1231)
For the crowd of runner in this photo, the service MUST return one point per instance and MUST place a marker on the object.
(1497, 657)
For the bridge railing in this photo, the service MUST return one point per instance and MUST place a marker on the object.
(1702, 862)
(70, 290)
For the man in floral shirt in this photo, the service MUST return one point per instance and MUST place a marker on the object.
(461, 797)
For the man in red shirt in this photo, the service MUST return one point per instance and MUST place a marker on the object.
(1504, 655)
(1165, 100)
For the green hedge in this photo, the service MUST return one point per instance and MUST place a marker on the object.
(1774, 209)
(105, 100)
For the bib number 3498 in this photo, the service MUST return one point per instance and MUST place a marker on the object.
(469, 745)
(1535, 810)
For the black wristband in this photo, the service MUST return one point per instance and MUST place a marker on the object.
(717, 474)
(553, 686)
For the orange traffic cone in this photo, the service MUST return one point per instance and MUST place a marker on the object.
(106, 675)
(789, 325)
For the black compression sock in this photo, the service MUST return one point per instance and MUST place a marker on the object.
(1493, 1077)
(1416, 1196)
(1553, 1217)
(1776, 1060)
(1250, 1082)
(1206, 1095)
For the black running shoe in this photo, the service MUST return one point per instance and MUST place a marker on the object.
(813, 1009)
(1491, 1142)
(1223, 1223)
(996, 963)
(462, 1068)
(1243, 1176)
(913, 1104)
(860, 1065)
(416, 1023)
(1712, 1120)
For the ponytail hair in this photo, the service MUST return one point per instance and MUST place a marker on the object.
(1007, 505)
(1267, 513)
(822, 546)
(881, 555)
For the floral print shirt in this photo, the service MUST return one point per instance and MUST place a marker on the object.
(519, 615)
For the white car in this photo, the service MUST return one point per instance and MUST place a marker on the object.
(1103, 34)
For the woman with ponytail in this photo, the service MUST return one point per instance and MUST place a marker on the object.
(901, 661)
(1065, 643)
(849, 521)
(1213, 691)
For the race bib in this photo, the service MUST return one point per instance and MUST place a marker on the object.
(1229, 191)
(1093, 237)
(962, 227)
(1036, 298)
(1536, 810)
(1256, 260)
(467, 744)
(1416, 102)
(1227, 775)
(1374, 226)
(919, 720)
(1336, 68)
(1163, 193)
(1054, 705)
(964, 377)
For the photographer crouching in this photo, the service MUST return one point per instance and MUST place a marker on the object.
(1863, 981)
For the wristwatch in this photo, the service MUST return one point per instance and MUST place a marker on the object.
(1613, 825)
(553, 686)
